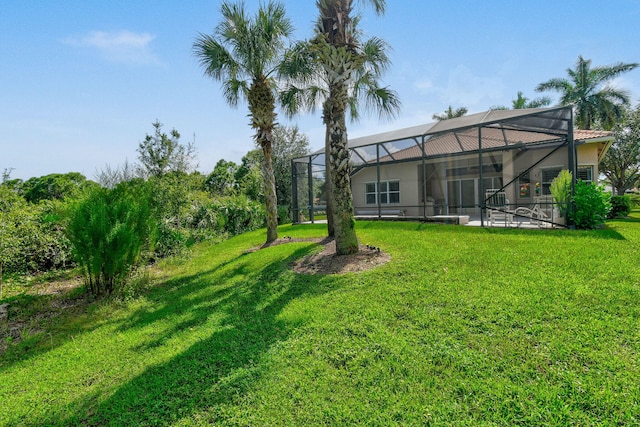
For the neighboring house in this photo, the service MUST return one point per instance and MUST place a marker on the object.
(434, 169)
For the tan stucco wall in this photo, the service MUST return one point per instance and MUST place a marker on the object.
(406, 173)
(513, 162)
(588, 155)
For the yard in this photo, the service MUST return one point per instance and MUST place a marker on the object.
(464, 326)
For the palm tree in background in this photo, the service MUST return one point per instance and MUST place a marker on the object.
(310, 89)
(450, 113)
(245, 54)
(336, 47)
(588, 89)
(522, 101)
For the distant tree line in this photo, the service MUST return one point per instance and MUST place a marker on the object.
(135, 214)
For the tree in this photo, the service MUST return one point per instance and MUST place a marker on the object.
(522, 101)
(55, 187)
(109, 177)
(621, 163)
(249, 176)
(310, 88)
(450, 113)
(244, 54)
(289, 143)
(587, 89)
(337, 48)
(222, 180)
(160, 153)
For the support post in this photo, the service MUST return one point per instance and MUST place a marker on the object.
(573, 168)
(310, 179)
(378, 180)
(483, 204)
(294, 193)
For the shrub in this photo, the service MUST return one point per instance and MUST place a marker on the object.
(561, 191)
(634, 199)
(592, 204)
(284, 214)
(109, 229)
(37, 241)
(620, 207)
(240, 214)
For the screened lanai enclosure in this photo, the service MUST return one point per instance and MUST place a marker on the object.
(493, 168)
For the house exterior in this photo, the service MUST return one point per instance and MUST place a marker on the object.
(447, 168)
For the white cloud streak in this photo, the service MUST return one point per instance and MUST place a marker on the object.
(121, 46)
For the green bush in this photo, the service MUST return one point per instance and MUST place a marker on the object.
(592, 204)
(284, 214)
(561, 191)
(634, 200)
(240, 214)
(109, 230)
(36, 241)
(620, 207)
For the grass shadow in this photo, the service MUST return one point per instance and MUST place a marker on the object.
(215, 370)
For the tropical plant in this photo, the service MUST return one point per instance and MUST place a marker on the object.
(337, 48)
(161, 153)
(310, 89)
(522, 101)
(450, 113)
(587, 88)
(621, 163)
(561, 191)
(109, 230)
(244, 53)
(592, 204)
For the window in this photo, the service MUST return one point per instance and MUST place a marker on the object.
(546, 177)
(585, 173)
(389, 192)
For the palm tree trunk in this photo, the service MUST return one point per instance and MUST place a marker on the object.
(271, 201)
(343, 220)
(263, 117)
(327, 176)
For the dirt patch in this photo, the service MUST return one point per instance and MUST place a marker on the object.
(21, 319)
(328, 262)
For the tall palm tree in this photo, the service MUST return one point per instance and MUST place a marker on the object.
(310, 89)
(339, 53)
(450, 113)
(523, 102)
(244, 54)
(588, 90)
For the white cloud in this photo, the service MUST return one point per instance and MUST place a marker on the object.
(121, 46)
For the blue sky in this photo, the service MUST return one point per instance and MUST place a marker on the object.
(82, 81)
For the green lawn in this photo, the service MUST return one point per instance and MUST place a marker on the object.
(465, 326)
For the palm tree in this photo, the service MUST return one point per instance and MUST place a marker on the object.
(450, 113)
(588, 90)
(337, 49)
(310, 89)
(244, 54)
(523, 102)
